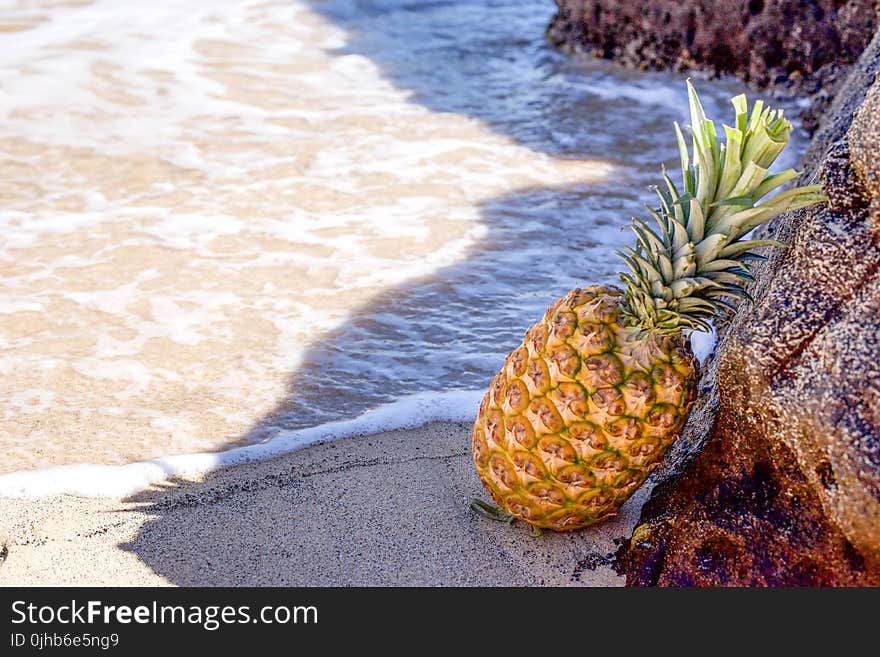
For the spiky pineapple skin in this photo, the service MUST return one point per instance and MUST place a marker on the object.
(581, 412)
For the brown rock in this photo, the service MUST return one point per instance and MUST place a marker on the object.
(864, 144)
(761, 41)
(786, 490)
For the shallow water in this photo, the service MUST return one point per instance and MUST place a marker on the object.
(221, 217)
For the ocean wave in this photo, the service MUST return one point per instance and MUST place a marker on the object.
(93, 480)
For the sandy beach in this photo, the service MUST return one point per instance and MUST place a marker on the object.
(386, 509)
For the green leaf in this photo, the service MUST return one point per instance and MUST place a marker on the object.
(696, 221)
(743, 201)
(680, 236)
(683, 157)
(741, 108)
(684, 200)
(639, 265)
(719, 265)
(757, 110)
(751, 256)
(709, 249)
(733, 292)
(730, 278)
(739, 223)
(741, 247)
(660, 292)
(761, 148)
(749, 180)
(676, 209)
(695, 304)
(649, 239)
(695, 263)
(705, 177)
(732, 163)
(683, 288)
(773, 181)
(723, 305)
(665, 265)
(684, 265)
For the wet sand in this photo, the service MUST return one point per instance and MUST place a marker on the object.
(387, 509)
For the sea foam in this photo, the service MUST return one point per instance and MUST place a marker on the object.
(125, 480)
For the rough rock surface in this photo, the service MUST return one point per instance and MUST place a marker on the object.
(786, 488)
(762, 41)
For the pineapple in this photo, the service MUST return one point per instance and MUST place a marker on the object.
(587, 405)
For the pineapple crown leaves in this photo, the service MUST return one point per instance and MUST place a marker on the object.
(696, 262)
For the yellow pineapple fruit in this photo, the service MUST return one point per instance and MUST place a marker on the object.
(588, 404)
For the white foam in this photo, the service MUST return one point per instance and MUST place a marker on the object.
(125, 480)
(703, 344)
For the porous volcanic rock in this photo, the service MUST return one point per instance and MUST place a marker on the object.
(776, 480)
(764, 42)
